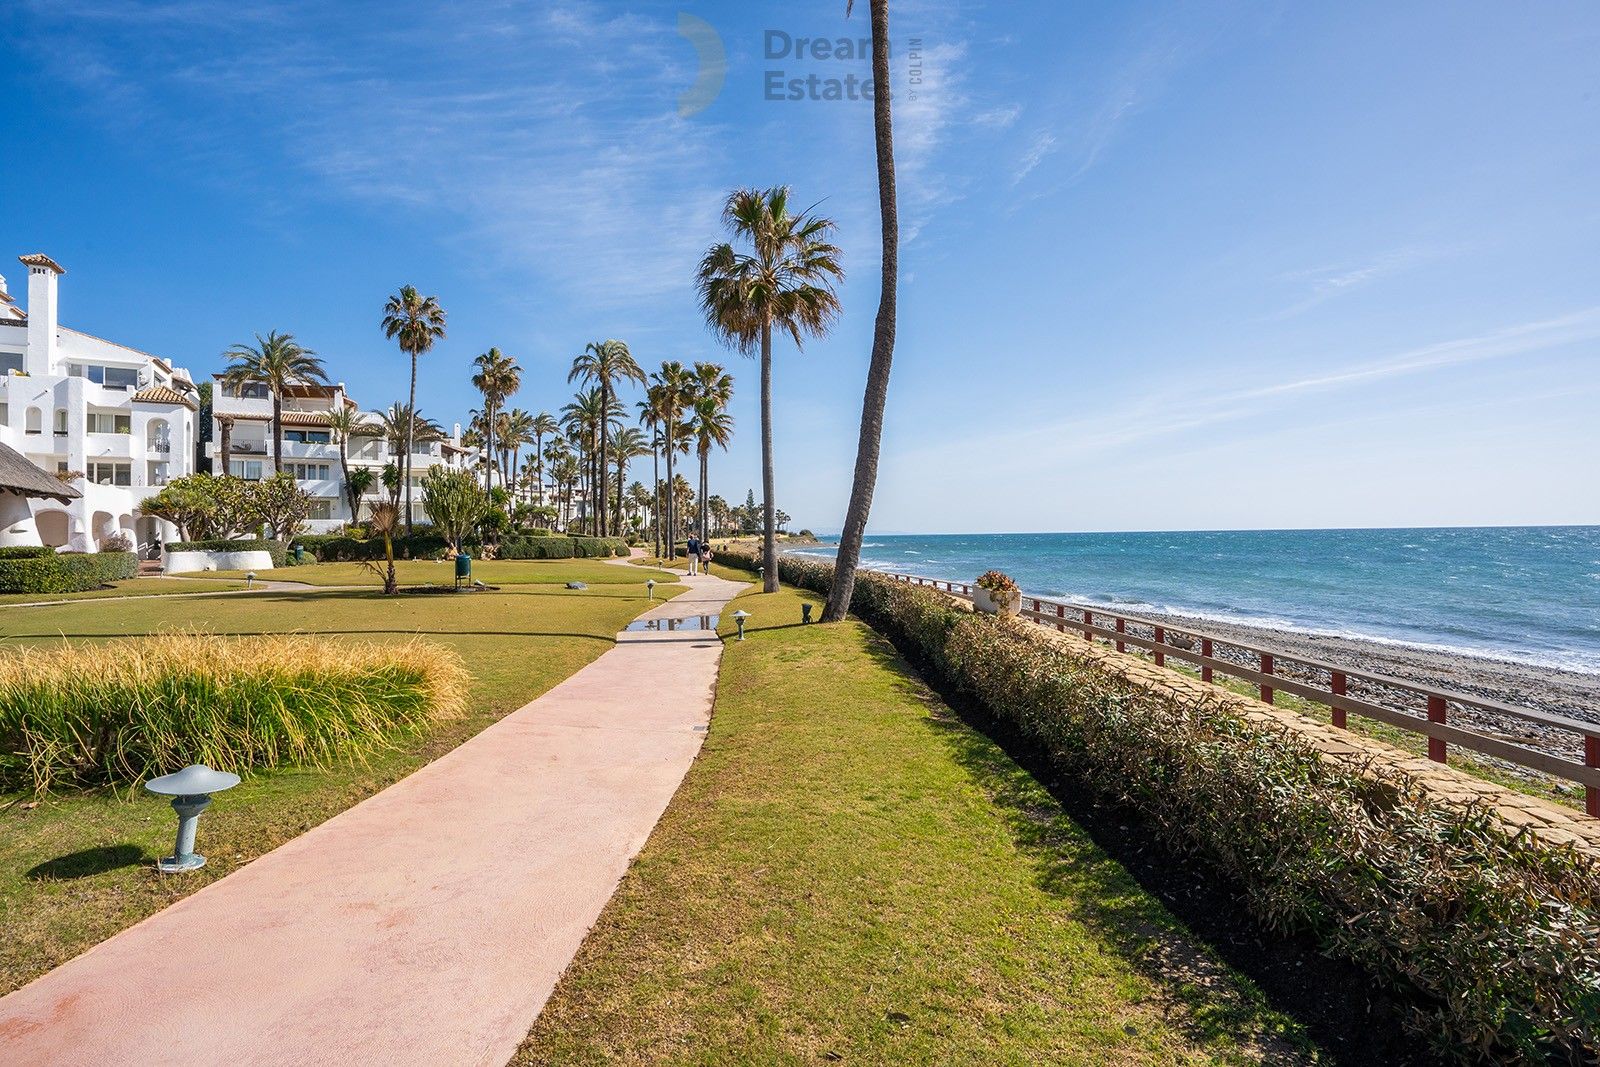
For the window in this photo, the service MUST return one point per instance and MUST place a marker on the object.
(35, 421)
(10, 361)
(248, 469)
(110, 377)
(108, 422)
(102, 472)
(307, 472)
(321, 508)
(247, 391)
(306, 437)
(61, 422)
(5, 414)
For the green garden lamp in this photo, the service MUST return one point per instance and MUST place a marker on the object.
(250, 579)
(805, 613)
(739, 617)
(190, 790)
(650, 584)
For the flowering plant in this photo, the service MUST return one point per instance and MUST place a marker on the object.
(997, 582)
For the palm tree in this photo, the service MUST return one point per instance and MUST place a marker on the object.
(497, 377)
(785, 282)
(415, 322)
(544, 425)
(225, 447)
(877, 391)
(345, 423)
(710, 423)
(518, 425)
(605, 364)
(627, 446)
(401, 430)
(582, 418)
(666, 398)
(279, 362)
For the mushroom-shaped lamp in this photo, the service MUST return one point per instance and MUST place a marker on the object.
(650, 584)
(249, 579)
(190, 790)
(739, 617)
(805, 612)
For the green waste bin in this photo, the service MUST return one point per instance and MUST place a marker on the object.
(463, 568)
(299, 553)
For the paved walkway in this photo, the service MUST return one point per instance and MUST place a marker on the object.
(427, 924)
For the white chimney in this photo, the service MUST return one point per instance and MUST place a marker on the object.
(3, 290)
(42, 312)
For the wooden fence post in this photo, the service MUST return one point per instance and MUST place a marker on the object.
(1122, 628)
(1161, 639)
(1061, 614)
(1436, 713)
(1088, 620)
(1591, 758)
(1338, 686)
(1205, 650)
(1266, 668)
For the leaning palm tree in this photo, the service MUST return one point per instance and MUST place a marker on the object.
(544, 425)
(497, 377)
(784, 282)
(605, 364)
(877, 391)
(415, 322)
(346, 423)
(279, 362)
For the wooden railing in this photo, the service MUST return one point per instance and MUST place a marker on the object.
(1342, 690)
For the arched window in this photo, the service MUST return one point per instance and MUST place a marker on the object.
(35, 421)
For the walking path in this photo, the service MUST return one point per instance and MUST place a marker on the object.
(427, 924)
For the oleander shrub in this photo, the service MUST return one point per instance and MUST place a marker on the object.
(120, 712)
(1492, 936)
(537, 548)
(35, 570)
(276, 549)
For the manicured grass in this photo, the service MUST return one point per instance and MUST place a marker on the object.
(851, 873)
(491, 572)
(75, 867)
(131, 587)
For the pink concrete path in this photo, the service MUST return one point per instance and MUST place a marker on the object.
(427, 924)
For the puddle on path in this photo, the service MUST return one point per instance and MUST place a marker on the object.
(696, 622)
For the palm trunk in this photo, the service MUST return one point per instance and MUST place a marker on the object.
(538, 460)
(344, 472)
(672, 546)
(622, 476)
(655, 501)
(411, 428)
(605, 428)
(705, 513)
(277, 433)
(877, 390)
(225, 424)
(488, 446)
(769, 533)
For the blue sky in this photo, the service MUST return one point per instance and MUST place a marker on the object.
(1165, 265)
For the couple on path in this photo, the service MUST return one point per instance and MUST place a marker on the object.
(699, 555)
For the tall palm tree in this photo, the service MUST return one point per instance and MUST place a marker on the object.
(785, 282)
(544, 425)
(519, 434)
(497, 377)
(225, 444)
(402, 430)
(279, 362)
(877, 390)
(415, 322)
(626, 446)
(605, 364)
(667, 397)
(345, 423)
(582, 418)
(710, 423)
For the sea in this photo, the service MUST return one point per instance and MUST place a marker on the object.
(1528, 594)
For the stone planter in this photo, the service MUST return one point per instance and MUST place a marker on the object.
(989, 602)
(188, 561)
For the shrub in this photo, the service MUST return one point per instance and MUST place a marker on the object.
(46, 571)
(276, 549)
(598, 547)
(25, 552)
(117, 542)
(537, 548)
(1493, 936)
(122, 712)
(338, 548)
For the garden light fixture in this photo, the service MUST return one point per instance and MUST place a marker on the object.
(190, 790)
(739, 617)
(250, 579)
(650, 584)
(805, 613)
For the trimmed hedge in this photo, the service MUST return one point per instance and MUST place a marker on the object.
(241, 544)
(25, 552)
(598, 547)
(338, 548)
(1492, 937)
(537, 548)
(48, 571)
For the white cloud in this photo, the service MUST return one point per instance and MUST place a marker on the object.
(1043, 144)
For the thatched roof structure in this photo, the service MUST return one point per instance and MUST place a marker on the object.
(21, 476)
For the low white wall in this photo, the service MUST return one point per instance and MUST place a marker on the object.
(181, 562)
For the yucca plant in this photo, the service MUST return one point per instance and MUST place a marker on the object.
(85, 715)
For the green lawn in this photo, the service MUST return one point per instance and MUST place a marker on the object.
(75, 867)
(131, 587)
(849, 873)
(427, 572)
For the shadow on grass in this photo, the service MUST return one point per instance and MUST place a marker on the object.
(606, 638)
(1100, 856)
(87, 862)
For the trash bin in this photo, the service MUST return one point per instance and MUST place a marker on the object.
(299, 552)
(463, 568)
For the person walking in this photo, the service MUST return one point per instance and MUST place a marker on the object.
(705, 556)
(693, 547)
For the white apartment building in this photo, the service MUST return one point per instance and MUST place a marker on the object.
(119, 422)
(242, 420)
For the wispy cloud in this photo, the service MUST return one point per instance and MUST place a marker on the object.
(1043, 144)
(1331, 281)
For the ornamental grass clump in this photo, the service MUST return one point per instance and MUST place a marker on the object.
(1491, 935)
(121, 712)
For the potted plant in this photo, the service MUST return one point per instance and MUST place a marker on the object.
(996, 594)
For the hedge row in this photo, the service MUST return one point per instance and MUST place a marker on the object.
(598, 547)
(277, 549)
(48, 571)
(1492, 937)
(337, 548)
(537, 548)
